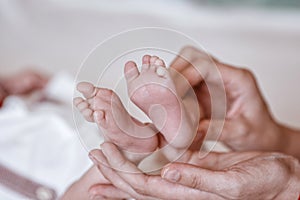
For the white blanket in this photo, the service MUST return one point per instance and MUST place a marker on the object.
(38, 141)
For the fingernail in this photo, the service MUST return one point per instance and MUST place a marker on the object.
(172, 175)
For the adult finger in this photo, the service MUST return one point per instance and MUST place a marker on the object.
(194, 64)
(208, 69)
(205, 160)
(183, 59)
(209, 167)
(234, 133)
(216, 182)
(216, 161)
(222, 130)
(188, 54)
(111, 175)
(107, 191)
(152, 186)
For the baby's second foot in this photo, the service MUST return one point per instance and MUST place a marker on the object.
(153, 91)
(105, 108)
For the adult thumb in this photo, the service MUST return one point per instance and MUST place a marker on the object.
(195, 177)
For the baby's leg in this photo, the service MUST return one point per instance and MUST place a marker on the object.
(154, 92)
(105, 108)
(24, 82)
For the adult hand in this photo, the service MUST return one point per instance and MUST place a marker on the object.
(81, 189)
(125, 176)
(249, 175)
(249, 124)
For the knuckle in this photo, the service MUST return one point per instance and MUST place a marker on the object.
(195, 182)
(247, 78)
(237, 193)
(282, 162)
(235, 186)
(247, 74)
(237, 189)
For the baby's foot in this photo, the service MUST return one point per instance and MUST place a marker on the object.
(154, 92)
(105, 108)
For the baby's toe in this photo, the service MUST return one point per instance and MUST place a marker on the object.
(161, 71)
(145, 67)
(99, 118)
(110, 97)
(88, 114)
(146, 60)
(153, 59)
(131, 71)
(98, 103)
(105, 94)
(77, 101)
(159, 62)
(82, 106)
(87, 89)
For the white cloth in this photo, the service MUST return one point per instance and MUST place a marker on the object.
(39, 142)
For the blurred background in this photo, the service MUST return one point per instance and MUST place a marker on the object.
(262, 35)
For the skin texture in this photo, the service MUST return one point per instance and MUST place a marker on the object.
(154, 92)
(249, 126)
(104, 107)
(249, 175)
